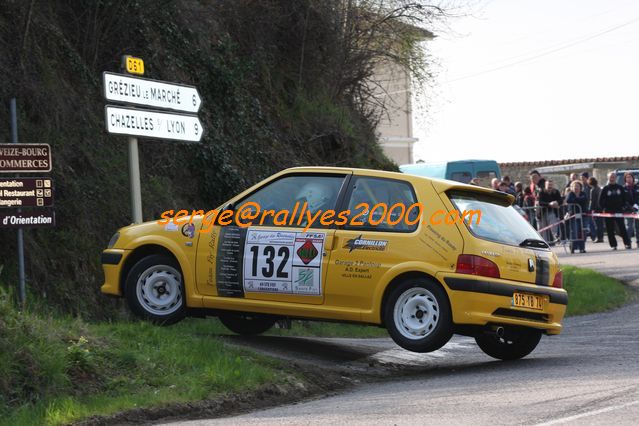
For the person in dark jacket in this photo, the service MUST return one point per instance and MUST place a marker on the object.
(537, 183)
(550, 199)
(632, 197)
(593, 207)
(589, 223)
(519, 194)
(613, 199)
(578, 197)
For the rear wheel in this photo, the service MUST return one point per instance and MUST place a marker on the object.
(154, 290)
(247, 324)
(515, 344)
(417, 315)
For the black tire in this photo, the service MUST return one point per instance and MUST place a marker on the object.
(247, 324)
(160, 300)
(516, 344)
(422, 332)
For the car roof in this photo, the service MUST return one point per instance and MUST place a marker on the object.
(441, 185)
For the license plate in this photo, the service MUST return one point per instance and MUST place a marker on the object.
(530, 301)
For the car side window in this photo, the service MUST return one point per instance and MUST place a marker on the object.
(382, 205)
(463, 177)
(313, 191)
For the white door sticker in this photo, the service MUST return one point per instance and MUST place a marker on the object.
(283, 262)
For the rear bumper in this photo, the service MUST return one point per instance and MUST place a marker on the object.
(112, 261)
(483, 301)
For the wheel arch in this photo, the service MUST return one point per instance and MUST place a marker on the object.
(140, 253)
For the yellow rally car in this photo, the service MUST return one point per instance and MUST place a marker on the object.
(494, 279)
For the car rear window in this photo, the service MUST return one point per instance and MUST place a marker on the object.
(499, 221)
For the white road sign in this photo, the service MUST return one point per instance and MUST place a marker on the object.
(153, 124)
(153, 93)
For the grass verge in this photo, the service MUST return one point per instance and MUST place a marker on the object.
(55, 371)
(590, 292)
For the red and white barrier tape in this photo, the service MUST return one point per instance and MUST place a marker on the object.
(566, 219)
(626, 215)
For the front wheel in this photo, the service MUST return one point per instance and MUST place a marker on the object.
(247, 324)
(154, 290)
(417, 315)
(515, 344)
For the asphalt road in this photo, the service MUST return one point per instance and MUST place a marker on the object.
(587, 375)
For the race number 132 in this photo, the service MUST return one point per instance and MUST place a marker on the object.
(270, 262)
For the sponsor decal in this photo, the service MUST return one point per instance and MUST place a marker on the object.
(307, 252)
(188, 230)
(360, 243)
(171, 227)
(283, 262)
(305, 277)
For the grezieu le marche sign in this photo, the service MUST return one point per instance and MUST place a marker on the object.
(153, 93)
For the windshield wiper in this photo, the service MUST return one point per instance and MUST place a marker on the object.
(534, 242)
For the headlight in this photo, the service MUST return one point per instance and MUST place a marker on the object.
(113, 240)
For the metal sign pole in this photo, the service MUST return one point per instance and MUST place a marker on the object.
(134, 167)
(134, 176)
(22, 292)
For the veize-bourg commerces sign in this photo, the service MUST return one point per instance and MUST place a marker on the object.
(25, 157)
(31, 192)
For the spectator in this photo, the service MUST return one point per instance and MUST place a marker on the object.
(475, 181)
(593, 207)
(589, 223)
(503, 187)
(573, 177)
(632, 194)
(537, 183)
(577, 197)
(519, 194)
(511, 187)
(528, 203)
(613, 199)
(494, 184)
(550, 199)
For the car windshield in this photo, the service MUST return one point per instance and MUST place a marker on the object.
(498, 222)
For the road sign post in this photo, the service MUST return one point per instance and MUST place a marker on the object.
(181, 125)
(135, 66)
(22, 290)
(134, 178)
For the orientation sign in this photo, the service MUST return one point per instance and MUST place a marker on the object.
(153, 93)
(153, 124)
(41, 219)
(25, 157)
(26, 192)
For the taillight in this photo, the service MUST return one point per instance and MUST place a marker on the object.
(476, 265)
(559, 280)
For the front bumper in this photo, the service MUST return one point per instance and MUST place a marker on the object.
(112, 262)
(482, 301)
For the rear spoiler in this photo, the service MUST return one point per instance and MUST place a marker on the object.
(448, 185)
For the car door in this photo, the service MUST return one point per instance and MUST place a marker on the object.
(279, 257)
(363, 253)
